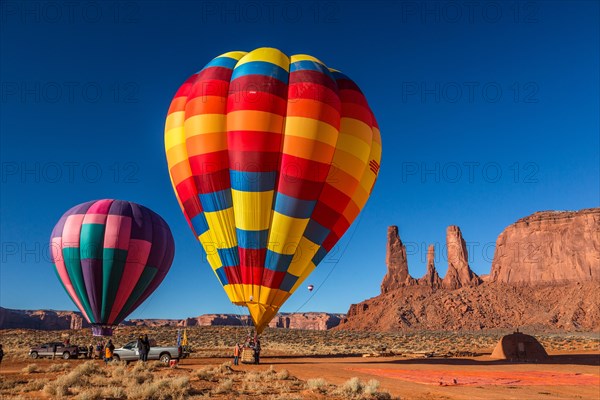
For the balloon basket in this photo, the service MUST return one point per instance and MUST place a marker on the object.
(99, 330)
(247, 355)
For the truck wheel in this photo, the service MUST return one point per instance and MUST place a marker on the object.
(165, 358)
(66, 355)
(116, 358)
(34, 355)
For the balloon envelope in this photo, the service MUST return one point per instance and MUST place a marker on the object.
(310, 288)
(110, 255)
(271, 158)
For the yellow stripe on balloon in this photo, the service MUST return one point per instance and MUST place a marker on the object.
(304, 254)
(224, 232)
(305, 57)
(311, 129)
(267, 54)
(354, 127)
(285, 233)
(234, 54)
(204, 123)
(355, 146)
(252, 209)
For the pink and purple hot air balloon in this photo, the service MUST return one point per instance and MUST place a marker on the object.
(110, 255)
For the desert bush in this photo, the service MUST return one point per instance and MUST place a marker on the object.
(283, 375)
(115, 392)
(224, 387)
(352, 386)
(34, 385)
(317, 384)
(206, 374)
(31, 369)
(371, 387)
(59, 367)
(253, 377)
(89, 394)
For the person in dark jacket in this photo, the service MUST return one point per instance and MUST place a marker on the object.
(257, 351)
(1, 354)
(145, 347)
(140, 347)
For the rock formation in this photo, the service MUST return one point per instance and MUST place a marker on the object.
(459, 273)
(549, 247)
(397, 266)
(545, 277)
(431, 277)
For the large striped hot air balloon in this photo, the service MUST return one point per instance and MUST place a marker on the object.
(271, 158)
(110, 255)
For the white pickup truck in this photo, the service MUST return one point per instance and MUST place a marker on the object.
(130, 352)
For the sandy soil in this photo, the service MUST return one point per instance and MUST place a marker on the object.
(563, 376)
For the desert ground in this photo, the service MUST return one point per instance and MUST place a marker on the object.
(298, 364)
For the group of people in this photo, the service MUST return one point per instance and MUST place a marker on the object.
(252, 344)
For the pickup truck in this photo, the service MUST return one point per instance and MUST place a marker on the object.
(52, 349)
(130, 352)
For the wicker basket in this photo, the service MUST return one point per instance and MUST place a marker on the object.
(247, 355)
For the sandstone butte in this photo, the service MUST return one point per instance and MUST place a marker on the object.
(545, 276)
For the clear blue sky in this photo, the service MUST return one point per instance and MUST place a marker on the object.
(488, 112)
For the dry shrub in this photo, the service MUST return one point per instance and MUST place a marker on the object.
(206, 374)
(90, 394)
(317, 384)
(283, 375)
(31, 369)
(224, 387)
(355, 389)
(115, 392)
(163, 389)
(59, 367)
(35, 385)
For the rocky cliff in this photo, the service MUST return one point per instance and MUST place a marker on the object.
(549, 247)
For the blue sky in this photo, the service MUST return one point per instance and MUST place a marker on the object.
(488, 113)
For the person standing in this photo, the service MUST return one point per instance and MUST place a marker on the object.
(236, 354)
(1, 354)
(140, 348)
(108, 351)
(91, 352)
(257, 351)
(145, 347)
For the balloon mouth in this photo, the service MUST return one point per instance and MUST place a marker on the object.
(102, 330)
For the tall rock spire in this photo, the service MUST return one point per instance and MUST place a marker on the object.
(397, 266)
(431, 278)
(459, 273)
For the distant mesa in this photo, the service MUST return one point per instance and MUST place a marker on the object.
(63, 320)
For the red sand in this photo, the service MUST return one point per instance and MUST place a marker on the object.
(470, 378)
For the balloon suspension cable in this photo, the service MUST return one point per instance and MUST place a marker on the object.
(314, 292)
(243, 323)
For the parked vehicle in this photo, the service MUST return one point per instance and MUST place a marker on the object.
(54, 349)
(130, 352)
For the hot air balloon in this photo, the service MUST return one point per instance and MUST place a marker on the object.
(271, 159)
(110, 255)
(310, 288)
